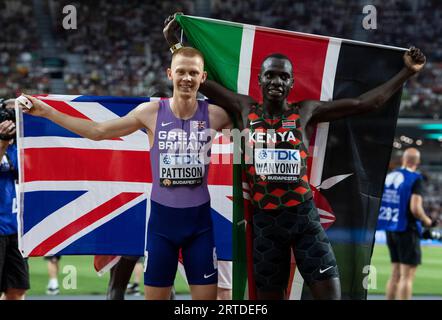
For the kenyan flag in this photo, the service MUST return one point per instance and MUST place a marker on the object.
(348, 158)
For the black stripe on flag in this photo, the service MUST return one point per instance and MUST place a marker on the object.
(360, 145)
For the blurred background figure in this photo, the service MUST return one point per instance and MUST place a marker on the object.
(14, 274)
(52, 288)
(133, 288)
(402, 216)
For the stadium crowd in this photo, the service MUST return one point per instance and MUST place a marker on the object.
(131, 56)
(122, 52)
(19, 45)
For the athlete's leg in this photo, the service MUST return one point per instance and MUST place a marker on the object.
(224, 294)
(200, 263)
(271, 254)
(394, 245)
(326, 289)
(157, 293)
(393, 282)
(203, 292)
(15, 294)
(53, 267)
(224, 280)
(119, 278)
(53, 270)
(314, 254)
(138, 272)
(199, 254)
(161, 254)
(410, 256)
(405, 287)
(161, 264)
(274, 294)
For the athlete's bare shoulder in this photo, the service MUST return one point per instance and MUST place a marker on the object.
(306, 110)
(146, 113)
(219, 119)
(215, 109)
(150, 107)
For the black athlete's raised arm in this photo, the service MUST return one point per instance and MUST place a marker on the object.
(414, 61)
(231, 101)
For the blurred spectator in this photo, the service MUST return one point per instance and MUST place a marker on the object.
(19, 67)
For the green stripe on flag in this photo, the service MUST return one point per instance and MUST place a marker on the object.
(206, 35)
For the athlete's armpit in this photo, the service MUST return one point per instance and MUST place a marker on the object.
(219, 119)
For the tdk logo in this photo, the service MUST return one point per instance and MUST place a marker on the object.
(181, 159)
(262, 155)
(277, 155)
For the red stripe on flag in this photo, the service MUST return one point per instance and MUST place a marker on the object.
(221, 174)
(83, 222)
(68, 164)
(66, 108)
(306, 53)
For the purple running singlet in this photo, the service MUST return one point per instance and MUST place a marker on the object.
(180, 157)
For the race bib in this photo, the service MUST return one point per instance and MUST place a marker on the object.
(277, 165)
(181, 169)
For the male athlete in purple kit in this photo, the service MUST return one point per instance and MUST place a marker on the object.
(180, 202)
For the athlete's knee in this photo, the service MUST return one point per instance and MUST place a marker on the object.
(15, 294)
(326, 289)
(407, 273)
(407, 277)
(395, 274)
(275, 294)
(115, 294)
(224, 294)
(395, 277)
(157, 293)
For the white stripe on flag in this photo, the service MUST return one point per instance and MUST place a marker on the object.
(97, 224)
(127, 143)
(328, 80)
(108, 266)
(222, 148)
(298, 281)
(310, 35)
(85, 185)
(99, 113)
(97, 195)
(245, 59)
(59, 97)
(220, 202)
(331, 62)
(182, 271)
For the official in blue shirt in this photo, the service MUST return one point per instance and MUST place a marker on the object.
(14, 274)
(401, 216)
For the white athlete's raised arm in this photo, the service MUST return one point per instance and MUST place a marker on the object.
(90, 129)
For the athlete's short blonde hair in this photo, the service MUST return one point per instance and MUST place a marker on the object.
(188, 52)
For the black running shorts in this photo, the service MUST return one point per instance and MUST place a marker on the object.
(14, 272)
(404, 247)
(277, 232)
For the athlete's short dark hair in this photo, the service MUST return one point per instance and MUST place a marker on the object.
(277, 56)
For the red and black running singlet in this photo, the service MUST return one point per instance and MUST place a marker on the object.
(276, 159)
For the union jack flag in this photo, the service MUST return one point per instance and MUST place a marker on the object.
(78, 196)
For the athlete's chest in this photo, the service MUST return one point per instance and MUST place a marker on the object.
(264, 129)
